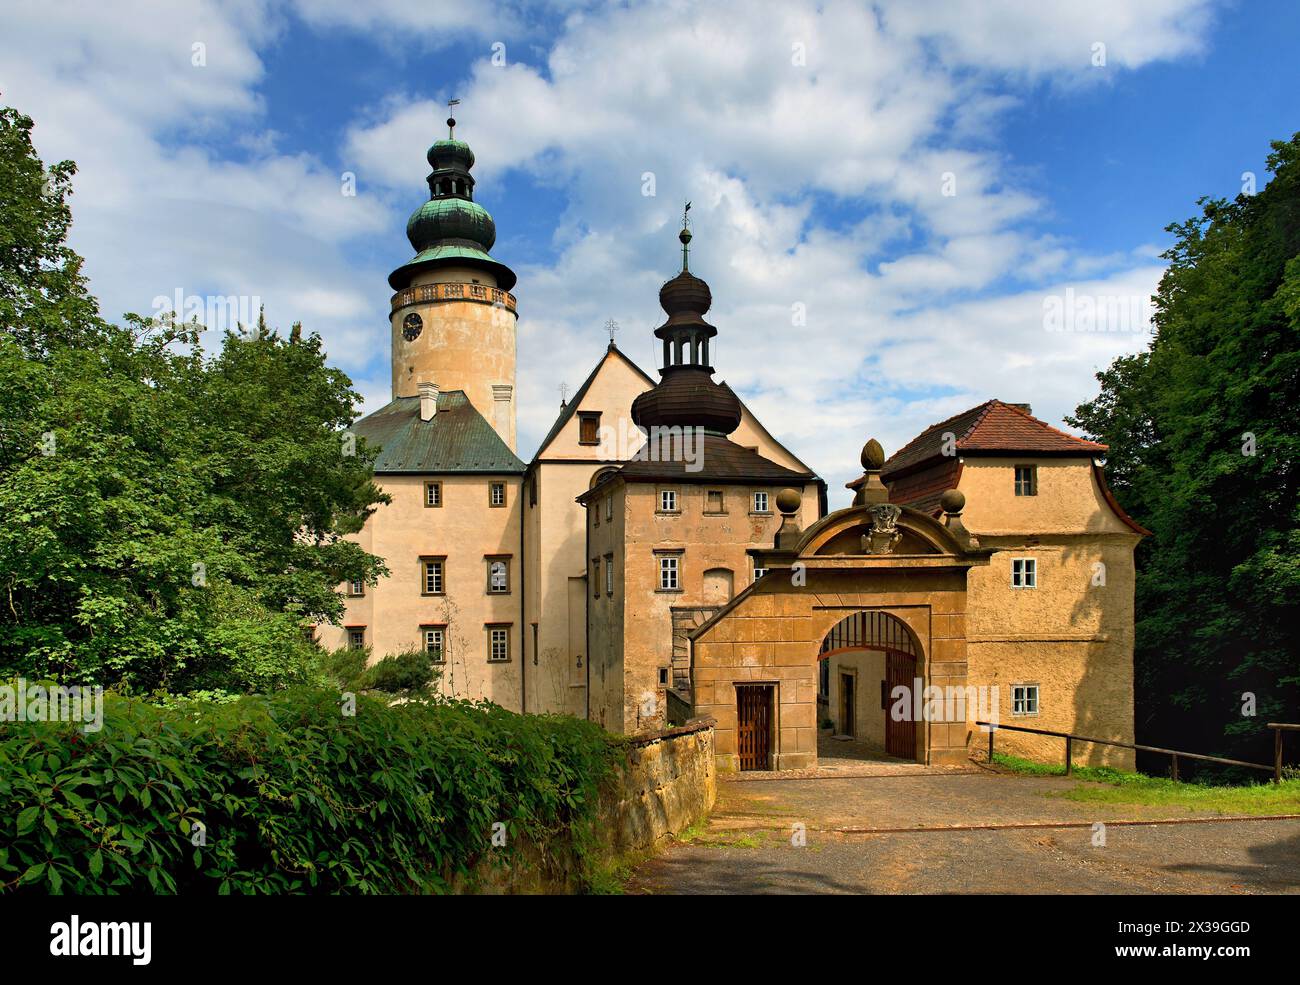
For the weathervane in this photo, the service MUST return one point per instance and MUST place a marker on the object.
(611, 327)
(685, 234)
(451, 119)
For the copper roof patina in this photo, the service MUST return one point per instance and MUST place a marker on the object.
(455, 439)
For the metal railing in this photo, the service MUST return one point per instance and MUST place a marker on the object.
(1174, 754)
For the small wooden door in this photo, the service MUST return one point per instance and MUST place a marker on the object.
(754, 725)
(900, 737)
(848, 703)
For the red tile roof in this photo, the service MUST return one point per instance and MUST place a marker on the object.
(921, 490)
(991, 428)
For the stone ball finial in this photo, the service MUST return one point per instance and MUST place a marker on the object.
(873, 456)
(788, 501)
(953, 501)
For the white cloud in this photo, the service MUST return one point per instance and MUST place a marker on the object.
(813, 140)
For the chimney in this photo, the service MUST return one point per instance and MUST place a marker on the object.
(428, 401)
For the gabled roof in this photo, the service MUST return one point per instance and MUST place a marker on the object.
(570, 408)
(455, 439)
(716, 459)
(992, 428)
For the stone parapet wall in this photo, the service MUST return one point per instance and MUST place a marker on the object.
(668, 782)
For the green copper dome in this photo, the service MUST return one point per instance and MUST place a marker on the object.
(449, 154)
(451, 229)
(442, 219)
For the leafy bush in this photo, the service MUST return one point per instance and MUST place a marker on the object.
(408, 672)
(343, 667)
(295, 797)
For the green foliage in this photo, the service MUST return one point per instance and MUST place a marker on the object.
(296, 797)
(407, 673)
(172, 520)
(344, 667)
(1218, 590)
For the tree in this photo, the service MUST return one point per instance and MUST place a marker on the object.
(1205, 453)
(171, 520)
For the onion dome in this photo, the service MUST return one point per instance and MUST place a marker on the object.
(447, 155)
(443, 220)
(687, 396)
(451, 229)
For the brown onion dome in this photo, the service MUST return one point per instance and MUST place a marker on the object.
(685, 293)
(688, 397)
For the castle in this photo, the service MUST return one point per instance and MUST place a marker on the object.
(697, 570)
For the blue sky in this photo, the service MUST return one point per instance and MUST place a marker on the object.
(813, 140)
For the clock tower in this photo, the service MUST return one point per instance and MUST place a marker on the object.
(453, 316)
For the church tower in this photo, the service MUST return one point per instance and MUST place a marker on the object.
(453, 316)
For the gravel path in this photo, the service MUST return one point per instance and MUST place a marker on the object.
(748, 846)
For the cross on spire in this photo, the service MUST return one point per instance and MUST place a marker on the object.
(611, 327)
(564, 394)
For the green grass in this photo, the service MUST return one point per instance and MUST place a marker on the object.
(1105, 785)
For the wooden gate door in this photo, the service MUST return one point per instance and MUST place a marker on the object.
(900, 737)
(754, 725)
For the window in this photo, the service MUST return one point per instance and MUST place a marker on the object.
(497, 494)
(356, 589)
(609, 574)
(609, 508)
(1026, 480)
(669, 569)
(759, 572)
(663, 676)
(435, 642)
(1024, 699)
(588, 427)
(668, 501)
(713, 501)
(433, 494)
(498, 575)
(1024, 572)
(595, 577)
(357, 637)
(760, 503)
(498, 644)
(433, 582)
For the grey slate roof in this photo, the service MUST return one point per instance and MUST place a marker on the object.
(456, 439)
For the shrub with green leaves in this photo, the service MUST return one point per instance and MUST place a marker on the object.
(287, 794)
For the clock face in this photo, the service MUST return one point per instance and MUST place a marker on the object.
(411, 326)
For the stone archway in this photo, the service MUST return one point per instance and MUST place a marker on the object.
(771, 634)
(864, 660)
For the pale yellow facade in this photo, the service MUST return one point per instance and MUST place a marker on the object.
(1071, 634)
(632, 615)
(466, 533)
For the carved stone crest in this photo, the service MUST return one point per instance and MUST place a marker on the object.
(884, 533)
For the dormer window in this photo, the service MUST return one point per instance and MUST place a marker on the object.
(1026, 480)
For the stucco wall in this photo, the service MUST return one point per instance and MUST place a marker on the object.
(869, 670)
(464, 345)
(708, 543)
(1072, 634)
(465, 529)
(557, 540)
